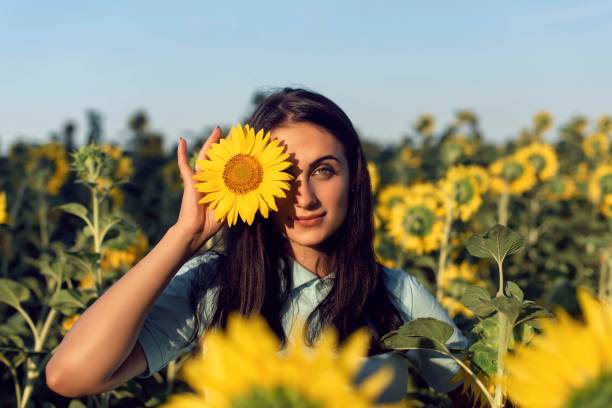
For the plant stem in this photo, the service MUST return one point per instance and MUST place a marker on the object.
(479, 383)
(502, 349)
(42, 222)
(500, 268)
(502, 206)
(448, 222)
(29, 321)
(95, 209)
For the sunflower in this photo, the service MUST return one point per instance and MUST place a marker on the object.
(49, 163)
(409, 159)
(246, 367)
(596, 145)
(604, 124)
(388, 198)
(416, 223)
(606, 206)
(600, 183)
(511, 173)
(466, 116)
(461, 188)
(542, 157)
(3, 214)
(121, 167)
(374, 178)
(542, 122)
(425, 124)
(243, 174)
(88, 281)
(454, 280)
(126, 257)
(569, 365)
(560, 188)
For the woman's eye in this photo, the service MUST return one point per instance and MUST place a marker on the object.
(325, 171)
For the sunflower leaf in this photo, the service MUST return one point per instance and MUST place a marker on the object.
(399, 341)
(515, 291)
(427, 327)
(478, 300)
(76, 209)
(13, 293)
(484, 356)
(67, 301)
(497, 243)
(508, 306)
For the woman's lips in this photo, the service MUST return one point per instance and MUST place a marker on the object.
(309, 221)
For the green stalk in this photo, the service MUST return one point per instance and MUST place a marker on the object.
(500, 291)
(448, 222)
(502, 206)
(502, 349)
(42, 222)
(95, 208)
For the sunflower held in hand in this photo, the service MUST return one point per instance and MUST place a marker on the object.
(243, 174)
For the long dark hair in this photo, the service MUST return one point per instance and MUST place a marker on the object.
(254, 273)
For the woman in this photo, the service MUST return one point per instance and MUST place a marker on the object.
(312, 259)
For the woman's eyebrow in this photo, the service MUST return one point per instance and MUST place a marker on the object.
(320, 159)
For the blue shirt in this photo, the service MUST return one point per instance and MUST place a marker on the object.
(170, 322)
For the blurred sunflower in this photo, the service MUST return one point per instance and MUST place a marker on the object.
(560, 188)
(481, 177)
(512, 173)
(454, 280)
(569, 365)
(121, 167)
(468, 146)
(88, 281)
(3, 213)
(409, 159)
(542, 157)
(425, 124)
(596, 145)
(600, 186)
(466, 116)
(245, 367)
(388, 198)
(50, 167)
(126, 257)
(606, 206)
(374, 178)
(542, 122)
(68, 322)
(244, 174)
(604, 124)
(416, 224)
(461, 188)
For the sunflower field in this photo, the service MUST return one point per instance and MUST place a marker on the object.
(513, 239)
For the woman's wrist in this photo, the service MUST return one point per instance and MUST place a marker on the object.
(191, 242)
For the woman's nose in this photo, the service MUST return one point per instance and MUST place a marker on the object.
(305, 196)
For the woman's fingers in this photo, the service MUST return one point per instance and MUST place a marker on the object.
(214, 137)
(183, 162)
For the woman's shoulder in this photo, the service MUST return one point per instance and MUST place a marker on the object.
(409, 293)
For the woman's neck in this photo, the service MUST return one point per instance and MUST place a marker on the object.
(310, 258)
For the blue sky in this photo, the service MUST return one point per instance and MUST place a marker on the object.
(191, 64)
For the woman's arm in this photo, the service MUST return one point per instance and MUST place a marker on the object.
(100, 351)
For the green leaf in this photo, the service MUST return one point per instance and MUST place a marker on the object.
(508, 306)
(68, 301)
(484, 356)
(515, 291)
(422, 333)
(478, 300)
(13, 293)
(398, 341)
(427, 327)
(498, 242)
(530, 311)
(76, 209)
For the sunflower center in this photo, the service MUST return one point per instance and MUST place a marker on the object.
(464, 191)
(242, 173)
(512, 171)
(538, 162)
(596, 394)
(606, 184)
(419, 221)
(273, 397)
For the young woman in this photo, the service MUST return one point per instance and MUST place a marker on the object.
(313, 259)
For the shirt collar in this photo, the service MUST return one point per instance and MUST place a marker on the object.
(302, 276)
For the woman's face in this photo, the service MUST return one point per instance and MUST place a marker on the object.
(320, 188)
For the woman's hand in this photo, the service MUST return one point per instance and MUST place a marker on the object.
(195, 220)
